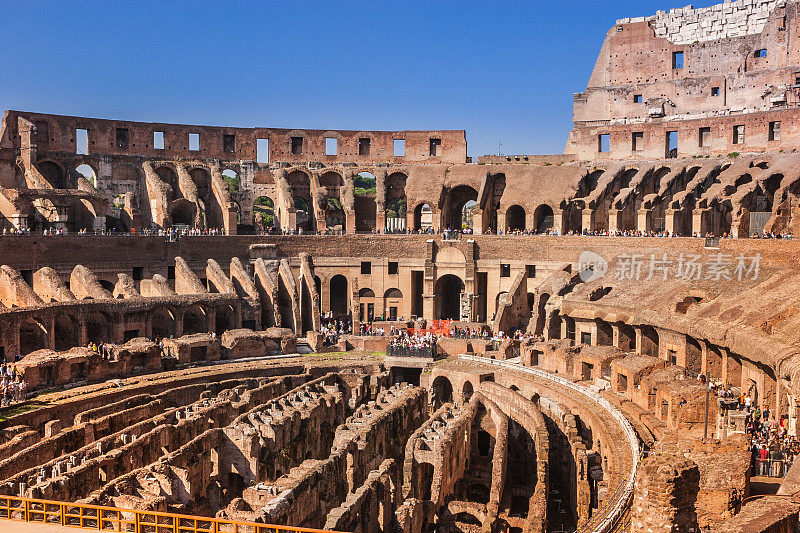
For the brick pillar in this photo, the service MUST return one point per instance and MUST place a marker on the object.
(669, 221)
(644, 220)
(665, 494)
(698, 226)
(586, 219)
(613, 219)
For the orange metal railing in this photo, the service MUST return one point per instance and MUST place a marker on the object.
(101, 518)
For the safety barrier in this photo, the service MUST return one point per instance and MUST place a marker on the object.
(619, 504)
(100, 518)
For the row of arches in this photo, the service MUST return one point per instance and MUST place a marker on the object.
(72, 330)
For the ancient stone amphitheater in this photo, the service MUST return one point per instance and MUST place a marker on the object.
(597, 315)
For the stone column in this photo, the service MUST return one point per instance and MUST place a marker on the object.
(638, 332)
(644, 220)
(703, 357)
(669, 221)
(614, 219)
(698, 224)
(614, 335)
(586, 219)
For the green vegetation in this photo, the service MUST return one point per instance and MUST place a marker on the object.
(364, 184)
(734, 155)
(396, 208)
(264, 211)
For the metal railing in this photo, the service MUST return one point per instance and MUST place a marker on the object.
(101, 518)
(616, 508)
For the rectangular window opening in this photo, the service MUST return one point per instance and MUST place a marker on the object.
(194, 142)
(363, 146)
(229, 143)
(637, 98)
(704, 137)
(82, 141)
(399, 147)
(366, 267)
(393, 267)
(604, 143)
(637, 141)
(677, 60)
(738, 134)
(297, 145)
(531, 271)
(123, 138)
(331, 146)
(505, 271)
(761, 52)
(138, 273)
(715, 91)
(158, 140)
(262, 150)
(775, 131)
(672, 145)
(436, 147)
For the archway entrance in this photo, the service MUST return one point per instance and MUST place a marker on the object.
(263, 213)
(448, 297)
(339, 296)
(459, 207)
(441, 392)
(515, 218)
(423, 217)
(543, 218)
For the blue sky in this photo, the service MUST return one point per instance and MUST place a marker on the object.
(500, 70)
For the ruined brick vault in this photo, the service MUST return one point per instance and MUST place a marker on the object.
(595, 420)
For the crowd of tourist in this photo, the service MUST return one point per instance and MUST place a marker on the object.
(333, 328)
(14, 388)
(773, 450)
(103, 349)
(420, 341)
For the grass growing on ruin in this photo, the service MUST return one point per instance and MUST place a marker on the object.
(13, 410)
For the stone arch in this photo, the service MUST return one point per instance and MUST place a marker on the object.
(333, 183)
(168, 175)
(54, 174)
(543, 219)
(97, 328)
(232, 180)
(162, 323)
(448, 297)
(364, 205)
(649, 341)
(515, 218)
(32, 336)
(300, 187)
(182, 212)
(195, 320)
(66, 332)
(338, 296)
(441, 392)
(423, 217)
(225, 319)
(458, 201)
(392, 303)
(467, 391)
(367, 311)
(86, 170)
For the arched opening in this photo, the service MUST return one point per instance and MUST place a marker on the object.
(183, 212)
(490, 202)
(441, 392)
(97, 328)
(300, 186)
(392, 303)
(232, 180)
(338, 291)
(263, 213)
(649, 341)
(448, 297)
(460, 206)
(364, 201)
(225, 320)
(195, 320)
(332, 205)
(163, 323)
(543, 219)
(396, 202)
(694, 355)
(605, 335)
(425, 481)
(66, 332)
(423, 217)
(515, 218)
(466, 392)
(32, 336)
(168, 176)
(53, 173)
(366, 310)
(87, 172)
